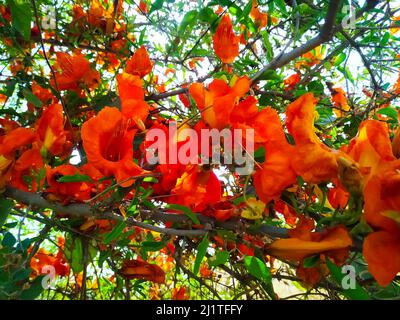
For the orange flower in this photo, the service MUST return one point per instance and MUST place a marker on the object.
(260, 18)
(196, 189)
(44, 95)
(244, 250)
(371, 146)
(304, 243)
(372, 151)
(312, 160)
(43, 258)
(139, 64)
(274, 176)
(382, 198)
(50, 128)
(310, 58)
(9, 143)
(143, 7)
(309, 276)
(338, 197)
(218, 101)
(103, 18)
(225, 42)
(79, 18)
(381, 250)
(192, 62)
(276, 172)
(131, 93)
(136, 269)
(27, 166)
(340, 101)
(14, 140)
(287, 211)
(7, 125)
(180, 294)
(246, 116)
(221, 211)
(5, 12)
(130, 87)
(394, 27)
(108, 143)
(74, 72)
(66, 191)
(396, 141)
(205, 271)
(291, 81)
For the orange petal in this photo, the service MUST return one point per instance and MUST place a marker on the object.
(139, 64)
(15, 139)
(130, 87)
(225, 42)
(382, 252)
(382, 197)
(135, 269)
(107, 141)
(275, 176)
(312, 160)
(296, 249)
(371, 145)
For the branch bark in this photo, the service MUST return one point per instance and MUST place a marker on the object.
(83, 210)
(209, 224)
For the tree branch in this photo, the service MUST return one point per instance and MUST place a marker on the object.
(84, 211)
(326, 33)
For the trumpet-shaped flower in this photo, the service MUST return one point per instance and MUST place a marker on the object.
(218, 101)
(108, 143)
(225, 41)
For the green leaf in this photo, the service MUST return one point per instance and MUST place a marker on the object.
(8, 240)
(115, 233)
(311, 261)
(21, 13)
(340, 58)
(189, 213)
(103, 257)
(259, 154)
(207, 15)
(258, 269)
(389, 112)
(358, 293)
(34, 290)
(30, 97)
(5, 209)
(281, 5)
(220, 258)
(316, 87)
(157, 5)
(270, 75)
(150, 179)
(153, 245)
(188, 20)
(74, 178)
(74, 254)
(201, 252)
(22, 274)
(246, 10)
(385, 39)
